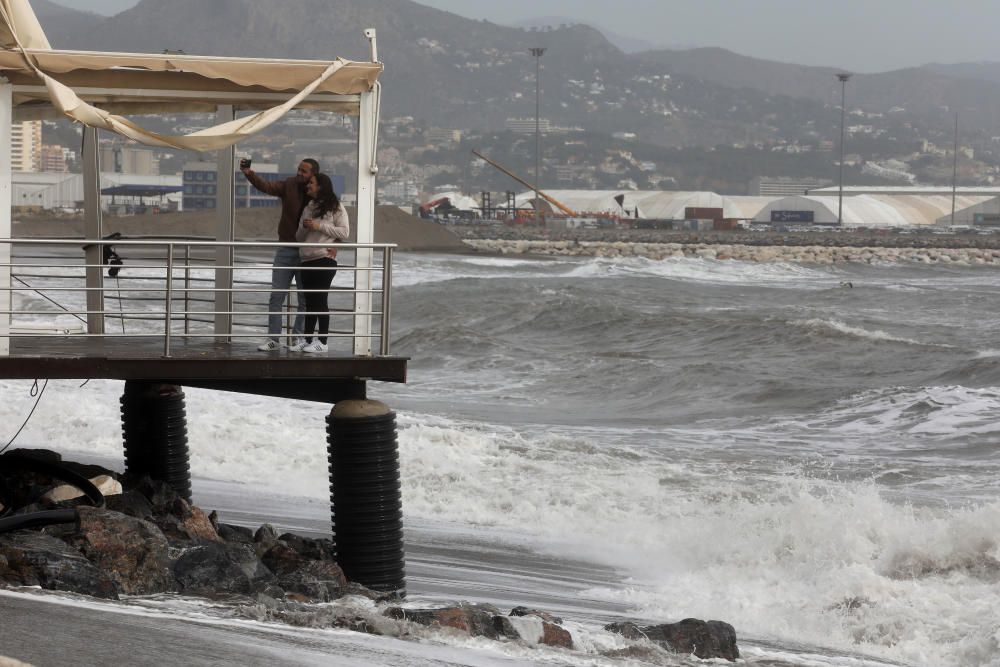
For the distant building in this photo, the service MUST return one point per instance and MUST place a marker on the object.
(441, 135)
(53, 159)
(64, 190)
(128, 160)
(527, 125)
(399, 191)
(200, 182)
(783, 186)
(26, 146)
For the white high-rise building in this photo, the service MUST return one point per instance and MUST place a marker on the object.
(26, 146)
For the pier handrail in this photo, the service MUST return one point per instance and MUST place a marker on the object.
(165, 272)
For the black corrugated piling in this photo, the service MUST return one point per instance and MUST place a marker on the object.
(366, 502)
(154, 425)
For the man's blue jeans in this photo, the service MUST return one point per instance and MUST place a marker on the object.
(286, 269)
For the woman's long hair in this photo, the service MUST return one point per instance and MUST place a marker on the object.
(326, 199)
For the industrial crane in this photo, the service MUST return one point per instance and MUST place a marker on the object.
(559, 205)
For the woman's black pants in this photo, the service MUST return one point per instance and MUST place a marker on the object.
(318, 275)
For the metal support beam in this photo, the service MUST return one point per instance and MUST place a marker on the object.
(6, 188)
(93, 229)
(367, 170)
(225, 230)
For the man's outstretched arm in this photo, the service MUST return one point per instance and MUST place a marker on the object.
(275, 188)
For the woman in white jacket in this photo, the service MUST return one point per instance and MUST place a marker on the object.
(324, 220)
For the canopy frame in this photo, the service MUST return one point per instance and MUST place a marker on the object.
(225, 100)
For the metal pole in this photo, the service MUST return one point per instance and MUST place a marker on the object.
(367, 171)
(6, 222)
(386, 298)
(954, 172)
(843, 77)
(93, 230)
(187, 290)
(538, 53)
(168, 310)
(225, 230)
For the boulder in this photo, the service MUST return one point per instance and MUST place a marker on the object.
(182, 521)
(475, 620)
(212, 568)
(554, 635)
(160, 495)
(281, 559)
(544, 615)
(705, 639)
(231, 533)
(29, 558)
(311, 549)
(319, 580)
(131, 551)
(483, 620)
(131, 503)
(546, 629)
(265, 538)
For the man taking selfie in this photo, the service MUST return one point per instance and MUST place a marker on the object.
(292, 192)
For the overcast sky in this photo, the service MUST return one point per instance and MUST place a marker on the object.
(857, 35)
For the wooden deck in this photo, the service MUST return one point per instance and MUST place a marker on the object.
(204, 363)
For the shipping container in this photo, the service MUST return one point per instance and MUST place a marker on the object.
(702, 213)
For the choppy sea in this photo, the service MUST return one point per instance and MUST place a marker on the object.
(808, 453)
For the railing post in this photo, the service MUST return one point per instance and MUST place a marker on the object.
(386, 300)
(367, 169)
(187, 288)
(169, 311)
(225, 230)
(93, 230)
(6, 187)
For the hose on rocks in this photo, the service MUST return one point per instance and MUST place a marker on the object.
(10, 521)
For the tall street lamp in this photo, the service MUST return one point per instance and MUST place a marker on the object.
(538, 53)
(843, 77)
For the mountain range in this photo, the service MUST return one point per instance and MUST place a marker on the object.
(449, 71)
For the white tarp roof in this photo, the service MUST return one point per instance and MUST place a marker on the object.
(458, 201)
(871, 210)
(74, 83)
(668, 205)
(581, 201)
(660, 204)
(965, 212)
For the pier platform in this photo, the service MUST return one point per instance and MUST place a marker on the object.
(203, 363)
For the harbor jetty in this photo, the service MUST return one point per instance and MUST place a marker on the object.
(804, 247)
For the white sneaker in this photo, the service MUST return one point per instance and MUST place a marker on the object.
(269, 346)
(315, 347)
(298, 345)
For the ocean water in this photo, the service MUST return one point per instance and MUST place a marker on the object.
(815, 464)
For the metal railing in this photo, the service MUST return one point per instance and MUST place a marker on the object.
(172, 288)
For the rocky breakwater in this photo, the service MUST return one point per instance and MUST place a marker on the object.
(808, 254)
(147, 540)
(816, 247)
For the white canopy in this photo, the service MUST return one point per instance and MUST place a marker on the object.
(92, 87)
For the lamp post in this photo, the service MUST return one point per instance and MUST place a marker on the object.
(538, 53)
(954, 172)
(842, 77)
